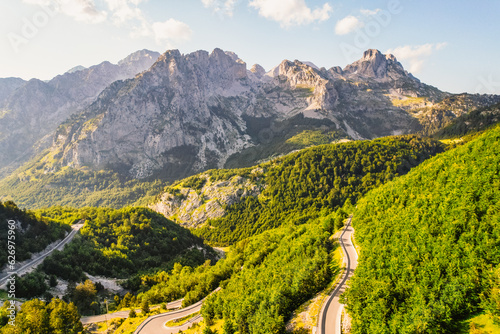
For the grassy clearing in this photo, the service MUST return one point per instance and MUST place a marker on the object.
(479, 324)
(408, 101)
(304, 90)
(129, 325)
(451, 141)
(198, 327)
(309, 138)
(181, 321)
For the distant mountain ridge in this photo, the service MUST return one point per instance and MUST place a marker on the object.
(33, 109)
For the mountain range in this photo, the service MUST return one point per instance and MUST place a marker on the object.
(169, 116)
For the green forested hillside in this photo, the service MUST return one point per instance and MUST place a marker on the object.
(430, 244)
(31, 235)
(261, 297)
(36, 316)
(300, 185)
(121, 243)
(32, 187)
(474, 121)
(263, 278)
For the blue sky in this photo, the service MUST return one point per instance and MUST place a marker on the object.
(452, 45)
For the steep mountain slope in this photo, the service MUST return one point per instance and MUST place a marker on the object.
(77, 188)
(230, 205)
(475, 121)
(434, 116)
(290, 265)
(122, 243)
(159, 120)
(36, 108)
(430, 243)
(31, 232)
(7, 87)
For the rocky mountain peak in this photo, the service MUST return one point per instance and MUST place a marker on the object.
(76, 69)
(391, 57)
(216, 71)
(190, 112)
(372, 54)
(375, 65)
(141, 55)
(258, 70)
(230, 62)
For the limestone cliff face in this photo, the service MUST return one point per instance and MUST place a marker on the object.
(35, 108)
(319, 91)
(188, 113)
(184, 110)
(193, 207)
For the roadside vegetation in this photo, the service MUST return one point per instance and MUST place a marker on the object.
(30, 233)
(430, 244)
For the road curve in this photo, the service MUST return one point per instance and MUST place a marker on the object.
(36, 261)
(156, 323)
(329, 318)
(124, 314)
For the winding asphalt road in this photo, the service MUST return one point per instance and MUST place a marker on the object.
(36, 261)
(329, 318)
(124, 314)
(156, 323)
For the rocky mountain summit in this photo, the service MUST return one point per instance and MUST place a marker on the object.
(32, 110)
(192, 112)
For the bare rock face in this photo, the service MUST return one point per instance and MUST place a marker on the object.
(35, 108)
(193, 207)
(8, 86)
(258, 71)
(181, 111)
(375, 65)
(297, 75)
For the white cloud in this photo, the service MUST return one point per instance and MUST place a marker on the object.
(416, 54)
(347, 25)
(352, 23)
(223, 7)
(127, 12)
(171, 31)
(368, 12)
(80, 10)
(291, 12)
(440, 46)
(124, 10)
